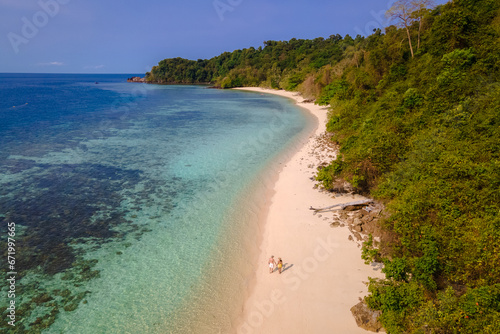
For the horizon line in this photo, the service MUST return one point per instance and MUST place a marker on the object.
(68, 73)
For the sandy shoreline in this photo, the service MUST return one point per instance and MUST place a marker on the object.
(324, 275)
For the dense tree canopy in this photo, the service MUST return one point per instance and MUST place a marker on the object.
(279, 64)
(421, 134)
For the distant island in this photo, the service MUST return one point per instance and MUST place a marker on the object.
(415, 114)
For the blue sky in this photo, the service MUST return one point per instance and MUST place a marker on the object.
(130, 36)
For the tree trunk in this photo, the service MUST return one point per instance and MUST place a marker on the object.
(419, 29)
(409, 39)
(342, 205)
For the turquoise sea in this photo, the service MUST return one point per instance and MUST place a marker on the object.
(136, 207)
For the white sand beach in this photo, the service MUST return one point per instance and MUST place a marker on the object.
(324, 275)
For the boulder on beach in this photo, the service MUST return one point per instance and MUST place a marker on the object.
(367, 318)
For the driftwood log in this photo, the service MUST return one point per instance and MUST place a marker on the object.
(341, 206)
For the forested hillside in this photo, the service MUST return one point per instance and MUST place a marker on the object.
(415, 111)
(278, 65)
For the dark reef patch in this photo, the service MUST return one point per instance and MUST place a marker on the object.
(61, 205)
(56, 208)
(62, 211)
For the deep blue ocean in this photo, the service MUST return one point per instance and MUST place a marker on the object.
(134, 205)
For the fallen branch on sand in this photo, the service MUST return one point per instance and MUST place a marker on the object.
(342, 205)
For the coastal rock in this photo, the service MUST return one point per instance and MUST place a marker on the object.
(372, 227)
(367, 318)
(136, 79)
(368, 218)
(336, 223)
(357, 228)
(362, 213)
(354, 207)
(358, 236)
(357, 222)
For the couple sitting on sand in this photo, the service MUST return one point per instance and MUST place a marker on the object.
(272, 264)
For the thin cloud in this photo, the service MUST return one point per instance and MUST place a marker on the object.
(92, 67)
(52, 63)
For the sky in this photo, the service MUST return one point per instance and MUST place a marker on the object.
(131, 36)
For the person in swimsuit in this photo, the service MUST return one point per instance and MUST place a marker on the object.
(280, 264)
(271, 263)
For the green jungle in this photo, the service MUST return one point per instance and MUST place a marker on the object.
(415, 112)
